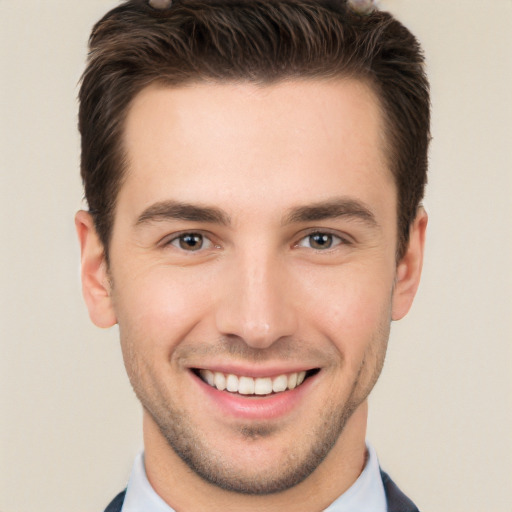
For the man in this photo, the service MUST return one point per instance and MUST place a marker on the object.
(254, 171)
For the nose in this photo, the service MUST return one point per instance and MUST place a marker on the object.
(256, 302)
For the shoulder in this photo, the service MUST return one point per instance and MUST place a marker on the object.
(397, 500)
(117, 503)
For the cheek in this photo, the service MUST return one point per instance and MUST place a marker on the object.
(361, 309)
(159, 310)
(352, 307)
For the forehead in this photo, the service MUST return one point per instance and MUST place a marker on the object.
(220, 140)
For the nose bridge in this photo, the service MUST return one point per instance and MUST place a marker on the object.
(256, 305)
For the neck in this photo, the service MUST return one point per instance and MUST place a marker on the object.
(182, 489)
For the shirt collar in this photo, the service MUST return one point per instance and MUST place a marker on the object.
(365, 495)
(139, 493)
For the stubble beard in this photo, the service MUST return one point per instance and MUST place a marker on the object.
(299, 462)
(302, 457)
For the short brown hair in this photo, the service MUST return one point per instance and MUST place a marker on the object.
(260, 41)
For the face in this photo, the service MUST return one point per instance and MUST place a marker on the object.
(252, 272)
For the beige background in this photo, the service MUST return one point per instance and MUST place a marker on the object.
(440, 416)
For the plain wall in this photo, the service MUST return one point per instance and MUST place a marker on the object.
(440, 417)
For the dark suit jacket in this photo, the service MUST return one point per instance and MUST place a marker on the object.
(397, 501)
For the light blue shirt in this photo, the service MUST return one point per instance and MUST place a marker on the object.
(365, 495)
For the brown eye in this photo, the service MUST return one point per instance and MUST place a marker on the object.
(320, 241)
(190, 242)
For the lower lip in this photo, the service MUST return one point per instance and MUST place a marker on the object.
(255, 408)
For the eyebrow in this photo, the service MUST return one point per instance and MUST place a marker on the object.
(331, 209)
(174, 210)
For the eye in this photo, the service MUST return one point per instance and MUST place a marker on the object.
(320, 241)
(191, 242)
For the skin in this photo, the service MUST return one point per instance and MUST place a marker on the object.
(257, 295)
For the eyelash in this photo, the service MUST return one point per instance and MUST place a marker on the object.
(332, 239)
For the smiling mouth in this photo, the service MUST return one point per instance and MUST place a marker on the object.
(249, 386)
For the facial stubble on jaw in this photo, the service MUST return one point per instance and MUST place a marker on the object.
(298, 463)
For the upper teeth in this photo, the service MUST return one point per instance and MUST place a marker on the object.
(250, 386)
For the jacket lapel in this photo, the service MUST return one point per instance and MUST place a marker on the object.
(117, 503)
(397, 500)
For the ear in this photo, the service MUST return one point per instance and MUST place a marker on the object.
(96, 285)
(408, 271)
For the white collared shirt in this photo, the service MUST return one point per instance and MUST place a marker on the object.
(365, 495)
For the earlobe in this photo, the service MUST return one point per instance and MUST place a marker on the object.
(96, 286)
(408, 271)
